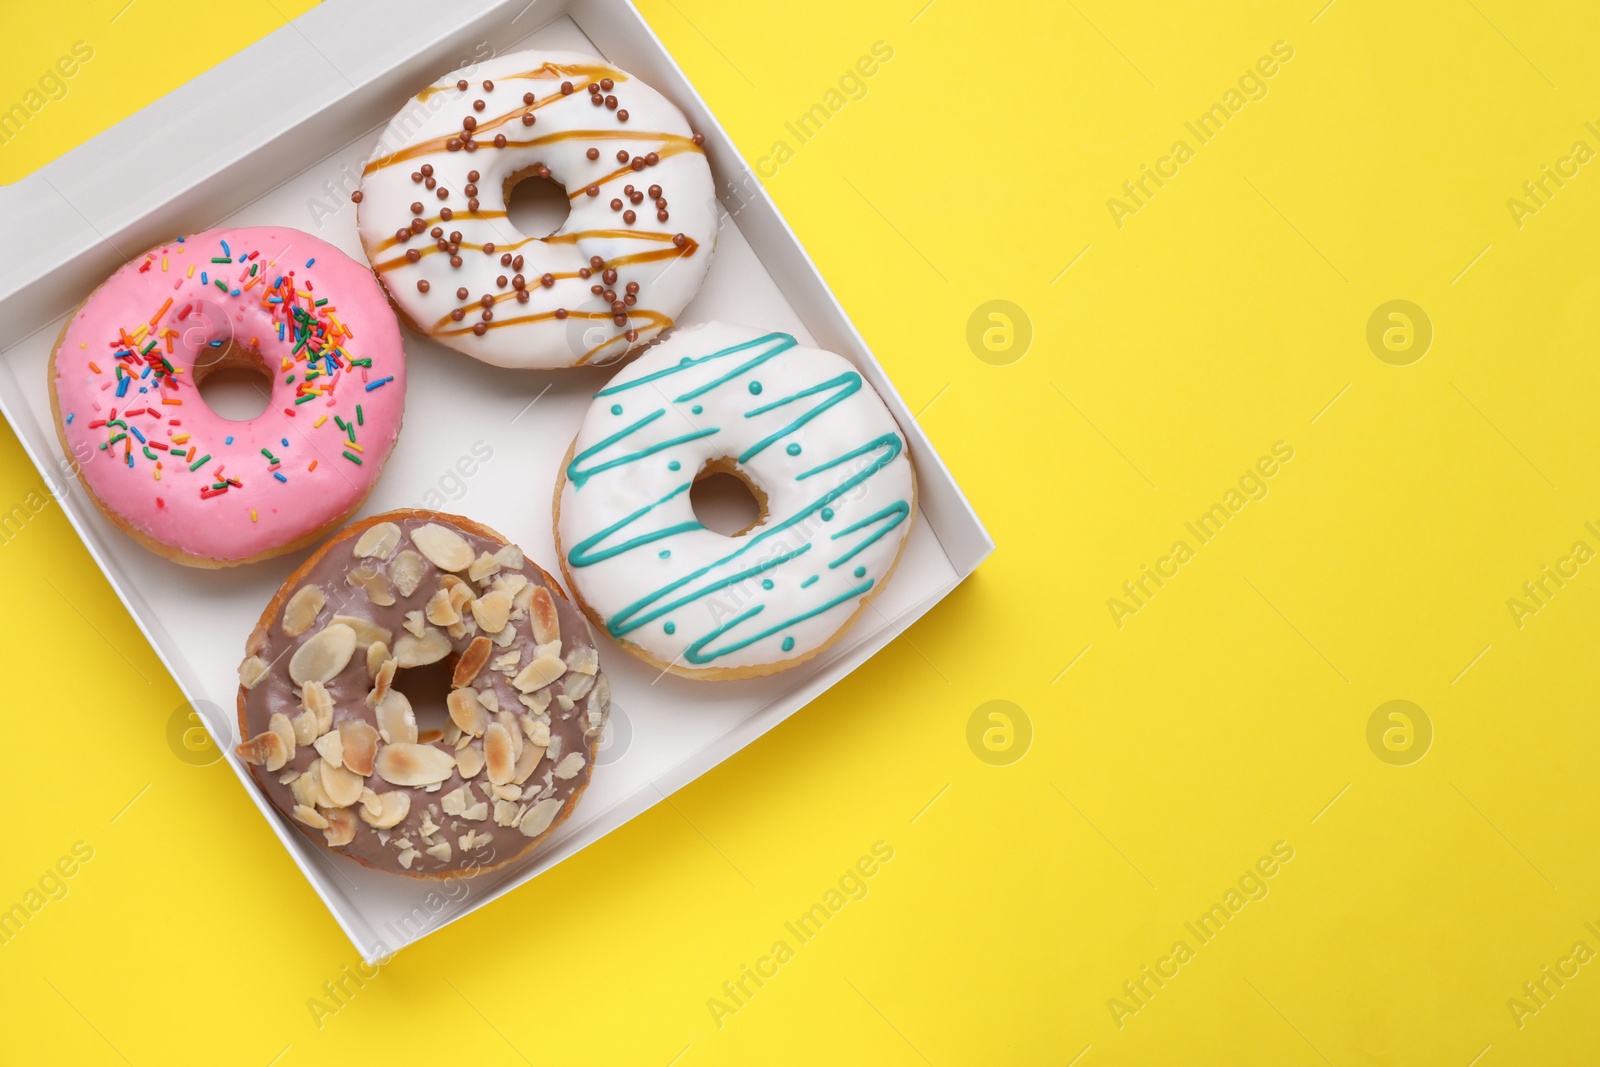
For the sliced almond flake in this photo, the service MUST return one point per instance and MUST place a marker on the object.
(359, 745)
(266, 750)
(466, 711)
(505, 637)
(314, 698)
(498, 753)
(507, 663)
(280, 725)
(531, 755)
(472, 662)
(343, 787)
(324, 655)
(415, 624)
(546, 623)
(307, 788)
(381, 683)
(509, 557)
(366, 630)
(406, 572)
(443, 547)
(489, 699)
(397, 724)
(440, 852)
(408, 857)
(288, 776)
(509, 722)
(373, 582)
(539, 817)
(565, 703)
(583, 660)
(377, 656)
(252, 670)
(452, 734)
(378, 541)
(477, 812)
(540, 673)
(341, 827)
(469, 761)
(440, 611)
(492, 611)
(601, 697)
(431, 647)
(428, 737)
(511, 583)
(310, 817)
(413, 764)
(303, 609)
(556, 745)
(507, 792)
(483, 567)
(305, 727)
(537, 702)
(455, 801)
(370, 803)
(330, 746)
(392, 810)
(536, 731)
(576, 685)
(570, 765)
(428, 827)
(505, 813)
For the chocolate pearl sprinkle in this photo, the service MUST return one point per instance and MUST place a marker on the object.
(479, 329)
(488, 86)
(547, 280)
(593, 153)
(417, 225)
(528, 98)
(472, 205)
(622, 157)
(505, 259)
(561, 313)
(607, 84)
(462, 85)
(469, 124)
(461, 293)
(427, 169)
(470, 145)
(661, 202)
(597, 289)
(402, 235)
(680, 240)
(477, 105)
(455, 236)
(638, 163)
(566, 88)
(500, 282)
(627, 190)
(437, 231)
(698, 139)
(422, 283)
(655, 190)
(611, 102)
(616, 205)
(416, 176)
(594, 87)
(516, 264)
(596, 100)
(458, 314)
(585, 272)
(455, 261)
(632, 287)
(355, 197)
(628, 216)
(452, 145)
(610, 276)
(446, 214)
(635, 197)
(416, 207)
(620, 320)
(630, 300)
(609, 296)
(519, 282)
(618, 306)
(661, 216)
(528, 119)
(651, 159)
(499, 140)
(486, 300)
(487, 315)
(631, 335)
(622, 116)
(597, 263)
(522, 296)
(412, 255)
(593, 190)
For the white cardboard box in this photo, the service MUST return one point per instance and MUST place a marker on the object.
(202, 157)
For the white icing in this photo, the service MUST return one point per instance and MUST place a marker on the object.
(623, 504)
(565, 128)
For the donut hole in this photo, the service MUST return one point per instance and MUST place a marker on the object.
(536, 206)
(725, 500)
(233, 381)
(427, 687)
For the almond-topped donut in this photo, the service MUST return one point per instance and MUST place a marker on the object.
(336, 744)
(630, 255)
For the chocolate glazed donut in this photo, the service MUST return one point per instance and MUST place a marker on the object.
(335, 744)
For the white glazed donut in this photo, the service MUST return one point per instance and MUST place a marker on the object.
(630, 255)
(819, 450)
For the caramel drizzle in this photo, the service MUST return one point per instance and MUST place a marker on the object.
(656, 319)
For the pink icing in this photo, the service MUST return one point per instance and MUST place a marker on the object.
(257, 512)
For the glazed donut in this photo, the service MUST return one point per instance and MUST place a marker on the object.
(630, 255)
(184, 481)
(335, 744)
(817, 448)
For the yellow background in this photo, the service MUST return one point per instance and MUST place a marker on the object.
(1228, 714)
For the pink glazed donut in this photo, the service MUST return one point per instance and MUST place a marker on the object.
(184, 481)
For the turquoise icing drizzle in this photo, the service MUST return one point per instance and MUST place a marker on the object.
(637, 529)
